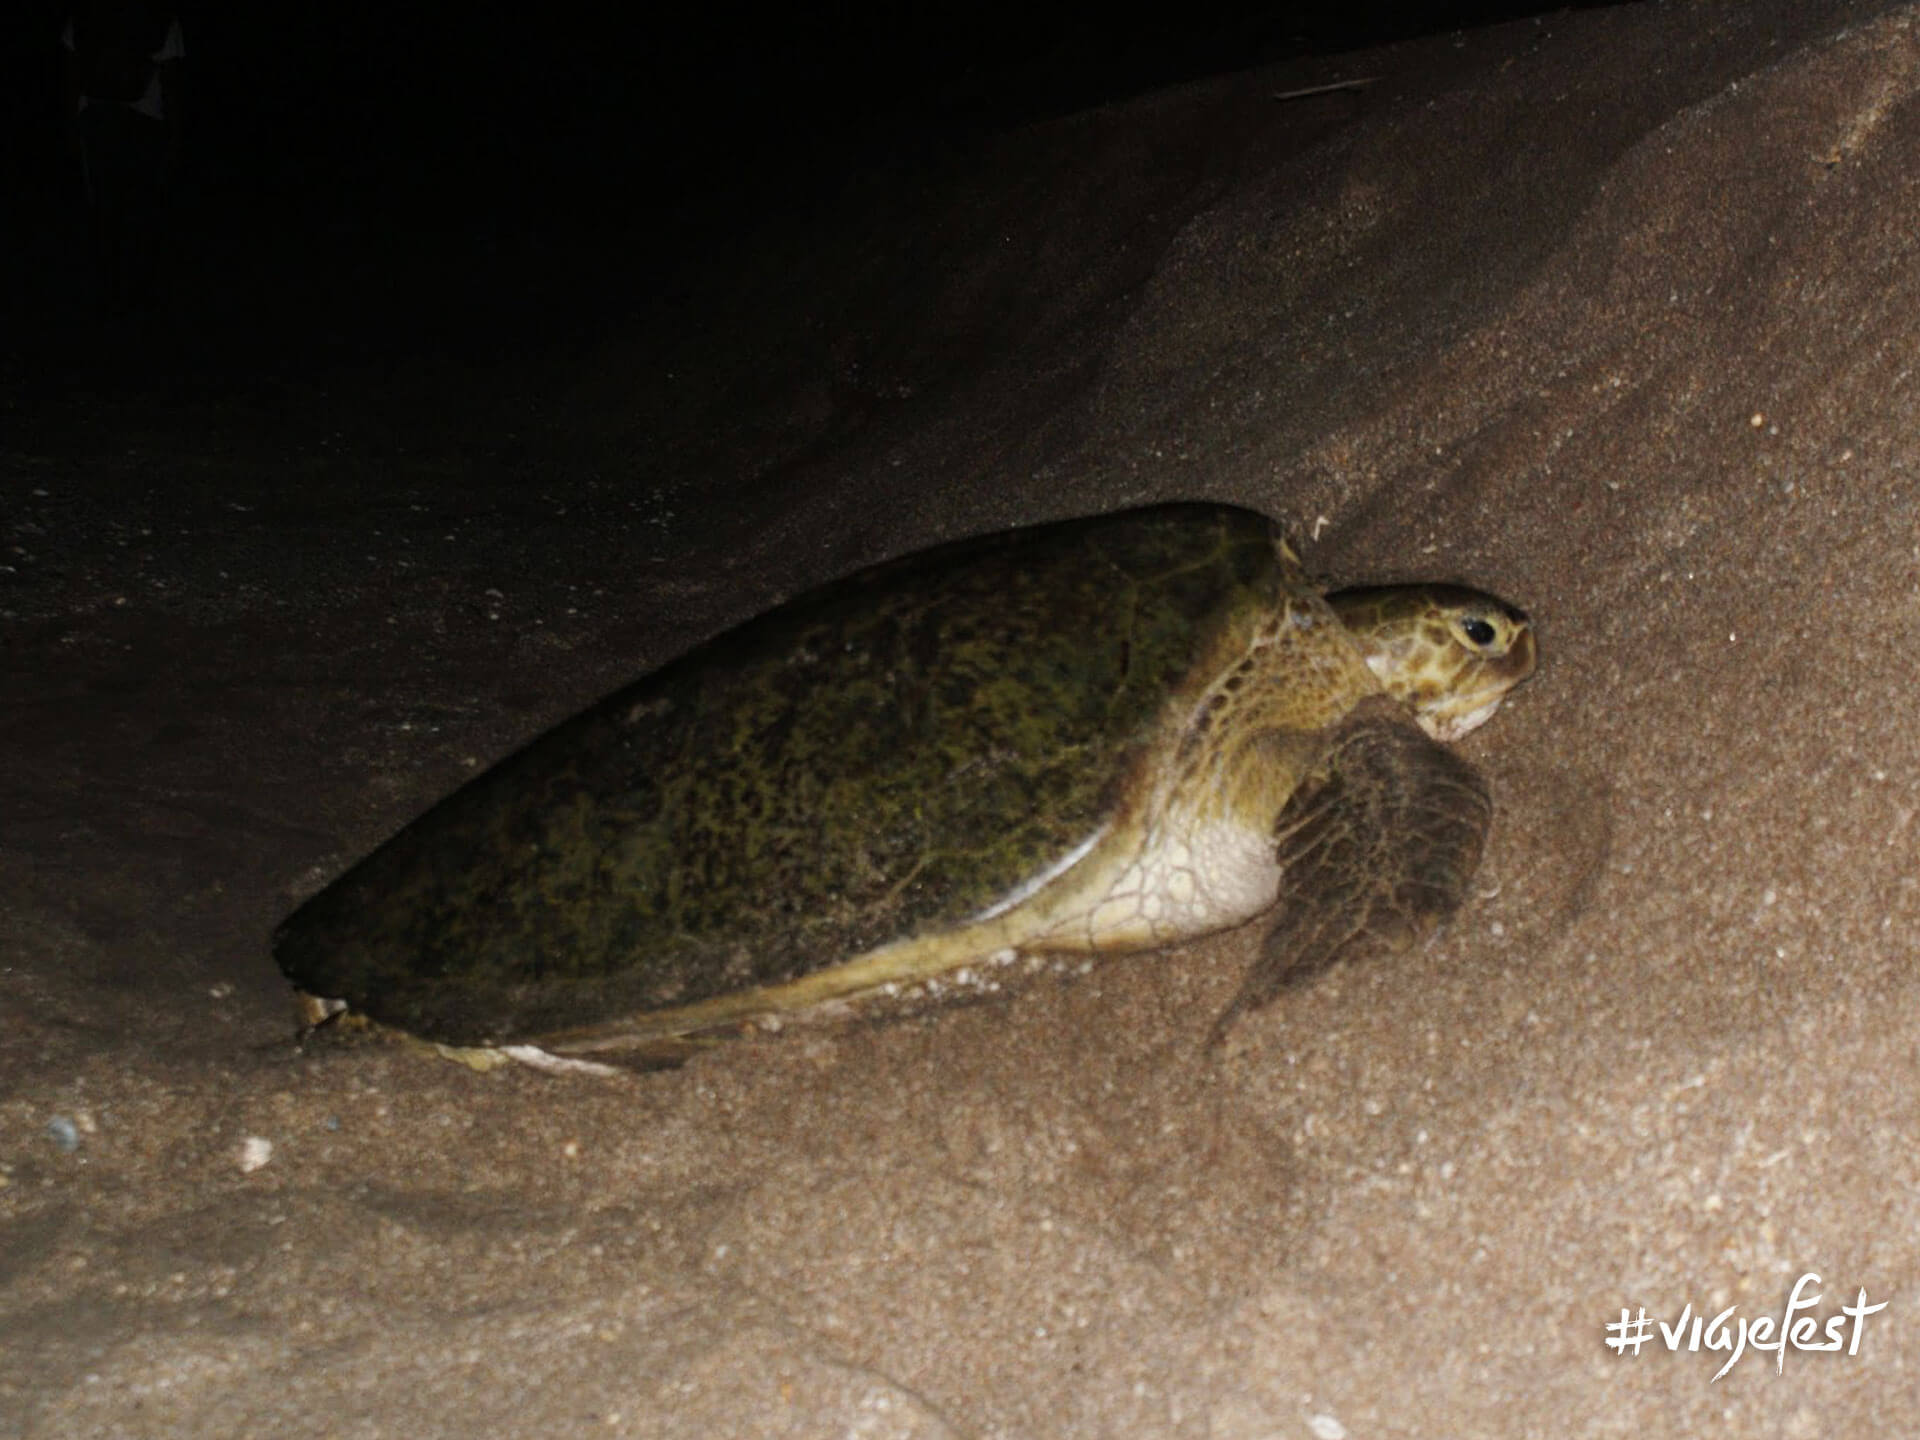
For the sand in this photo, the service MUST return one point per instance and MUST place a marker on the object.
(1617, 314)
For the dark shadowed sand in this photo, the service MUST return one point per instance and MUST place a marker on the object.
(1617, 314)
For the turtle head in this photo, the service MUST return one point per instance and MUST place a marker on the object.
(1449, 653)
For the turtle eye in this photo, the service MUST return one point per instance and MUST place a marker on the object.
(1478, 632)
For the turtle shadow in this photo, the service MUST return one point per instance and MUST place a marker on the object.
(1553, 844)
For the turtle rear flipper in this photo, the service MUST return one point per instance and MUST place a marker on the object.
(1376, 851)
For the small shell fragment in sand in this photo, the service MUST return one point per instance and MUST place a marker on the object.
(255, 1151)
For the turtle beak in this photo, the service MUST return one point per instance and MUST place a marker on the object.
(1468, 710)
(1520, 659)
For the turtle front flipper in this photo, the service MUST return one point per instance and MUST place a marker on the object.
(1376, 848)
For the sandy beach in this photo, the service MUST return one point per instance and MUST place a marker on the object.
(1616, 314)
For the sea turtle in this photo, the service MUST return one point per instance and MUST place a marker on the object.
(1105, 734)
